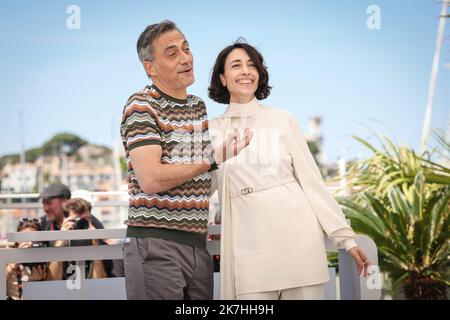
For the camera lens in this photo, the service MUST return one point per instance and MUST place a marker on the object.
(81, 224)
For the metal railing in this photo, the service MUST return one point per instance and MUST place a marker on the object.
(115, 203)
(351, 286)
(348, 284)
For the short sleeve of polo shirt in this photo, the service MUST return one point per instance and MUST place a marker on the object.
(139, 125)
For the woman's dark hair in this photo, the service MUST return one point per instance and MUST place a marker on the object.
(218, 92)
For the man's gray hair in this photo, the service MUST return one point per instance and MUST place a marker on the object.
(145, 48)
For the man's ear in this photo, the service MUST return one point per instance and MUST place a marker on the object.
(222, 79)
(150, 68)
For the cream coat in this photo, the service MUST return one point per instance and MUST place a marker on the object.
(274, 206)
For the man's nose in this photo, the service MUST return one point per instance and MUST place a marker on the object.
(185, 58)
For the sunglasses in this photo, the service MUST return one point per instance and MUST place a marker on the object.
(30, 220)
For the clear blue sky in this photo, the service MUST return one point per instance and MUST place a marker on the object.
(322, 60)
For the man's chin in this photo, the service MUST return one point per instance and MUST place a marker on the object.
(186, 76)
(189, 81)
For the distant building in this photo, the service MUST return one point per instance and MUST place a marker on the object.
(91, 168)
(18, 178)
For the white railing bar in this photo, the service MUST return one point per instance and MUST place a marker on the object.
(92, 193)
(79, 234)
(35, 195)
(67, 235)
(54, 254)
(38, 205)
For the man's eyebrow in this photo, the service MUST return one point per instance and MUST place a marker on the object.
(174, 46)
(170, 47)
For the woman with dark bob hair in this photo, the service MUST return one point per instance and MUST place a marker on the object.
(274, 203)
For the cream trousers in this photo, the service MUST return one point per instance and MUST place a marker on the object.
(315, 292)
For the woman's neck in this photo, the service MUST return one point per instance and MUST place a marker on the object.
(241, 100)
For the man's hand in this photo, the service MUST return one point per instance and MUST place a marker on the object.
(232, 145)
(68, 223)
(361, 260)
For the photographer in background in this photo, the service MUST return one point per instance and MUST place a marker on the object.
(53, 199)
(17, 273)
(79, 218)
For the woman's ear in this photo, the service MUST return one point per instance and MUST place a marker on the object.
(222, 79)
(150, 68)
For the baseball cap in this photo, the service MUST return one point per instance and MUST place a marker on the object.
(56, 190)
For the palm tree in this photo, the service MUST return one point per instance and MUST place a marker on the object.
(443, 141)
(412, 233)
(391, 166)
(402, 203)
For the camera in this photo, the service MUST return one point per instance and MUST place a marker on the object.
(36, 264)
(81, 224)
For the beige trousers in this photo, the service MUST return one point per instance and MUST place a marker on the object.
(315, 292)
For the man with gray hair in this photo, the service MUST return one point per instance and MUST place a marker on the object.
(165, 135)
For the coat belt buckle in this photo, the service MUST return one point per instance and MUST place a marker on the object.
(246, 191)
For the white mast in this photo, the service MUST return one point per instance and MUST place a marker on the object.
(433, 77)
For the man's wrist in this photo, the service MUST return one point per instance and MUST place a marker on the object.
(212, 163)
(213, 166)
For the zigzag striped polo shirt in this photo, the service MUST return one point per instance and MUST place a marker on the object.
(180, 127)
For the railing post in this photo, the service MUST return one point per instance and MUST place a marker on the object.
(348, 278)
(3, 281)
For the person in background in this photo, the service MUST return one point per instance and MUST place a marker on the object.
(78, 217)
(17, 273)
(53, 199)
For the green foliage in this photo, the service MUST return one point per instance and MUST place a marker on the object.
(403, 205)
(123, 166)
(54, 145)
(51, 147)
(313, 147)
(393, 166)
(12, 158)
(411, 230)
